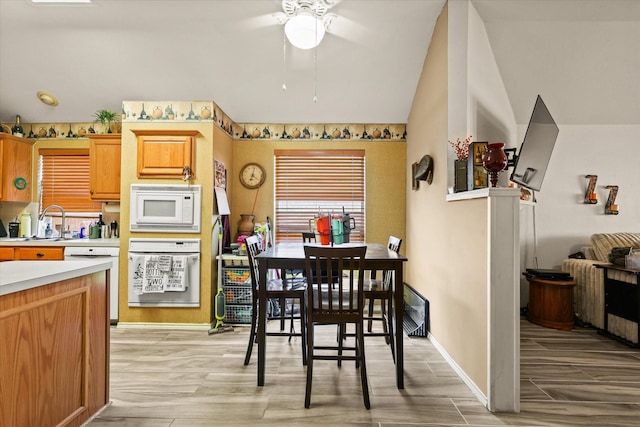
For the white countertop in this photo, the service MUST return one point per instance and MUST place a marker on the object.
(7, 241)
(18, 276)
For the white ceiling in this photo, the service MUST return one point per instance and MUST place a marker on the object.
(582, 56)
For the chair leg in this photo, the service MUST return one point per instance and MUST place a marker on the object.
(392, 329)
(307, 393)
(252, 333)
(342, 328)
(303, 333)
(384, 316)
(283, 309)
(370, 322)
(363, 364)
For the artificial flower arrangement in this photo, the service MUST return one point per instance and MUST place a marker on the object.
(461, 147)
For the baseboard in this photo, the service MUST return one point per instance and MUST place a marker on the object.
(152, 325)
(468, 381)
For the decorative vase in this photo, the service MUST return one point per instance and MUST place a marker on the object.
(460, 175)
(246, 224)
(495, 160)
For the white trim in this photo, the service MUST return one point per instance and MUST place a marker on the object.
(152, 325)
(461, 373)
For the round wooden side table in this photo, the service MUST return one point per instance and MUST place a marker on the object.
(551, 303)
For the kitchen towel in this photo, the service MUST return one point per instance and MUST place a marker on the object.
(177, 277)
(154, 280)
(137, 273)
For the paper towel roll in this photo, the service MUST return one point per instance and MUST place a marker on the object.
(25, 225)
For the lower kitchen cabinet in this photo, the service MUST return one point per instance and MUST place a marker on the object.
(31, 253)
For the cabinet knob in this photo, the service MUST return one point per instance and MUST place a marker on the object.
(39, 254)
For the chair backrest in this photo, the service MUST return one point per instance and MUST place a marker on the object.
(308, 237)
(393, 245)
(328, 303)
(253, 249)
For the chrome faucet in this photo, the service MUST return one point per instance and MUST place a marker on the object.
(45, 210)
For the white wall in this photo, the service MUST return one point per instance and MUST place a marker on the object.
(563, 222)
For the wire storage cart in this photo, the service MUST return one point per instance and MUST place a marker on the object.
(236, 283)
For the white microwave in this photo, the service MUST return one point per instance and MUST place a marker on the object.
(165, 208)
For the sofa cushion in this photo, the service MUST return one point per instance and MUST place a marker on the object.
(602, 243)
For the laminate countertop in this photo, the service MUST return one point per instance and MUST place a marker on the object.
(16, 276)
(22, 241)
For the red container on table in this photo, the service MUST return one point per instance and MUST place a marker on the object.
(323, 226)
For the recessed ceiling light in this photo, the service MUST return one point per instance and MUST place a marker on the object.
(47, 98)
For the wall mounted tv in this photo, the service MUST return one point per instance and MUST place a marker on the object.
(531, 163)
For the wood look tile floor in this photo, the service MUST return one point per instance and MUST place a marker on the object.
(184, 378)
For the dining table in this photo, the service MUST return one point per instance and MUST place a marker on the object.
(290, 256)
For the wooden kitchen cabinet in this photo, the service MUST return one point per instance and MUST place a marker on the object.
(38, 253)
(15, 168)
(104, 158)
(165, 153)
(6, 254)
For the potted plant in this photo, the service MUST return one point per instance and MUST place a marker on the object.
(105, 117)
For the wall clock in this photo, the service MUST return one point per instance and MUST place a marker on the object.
(252, 175)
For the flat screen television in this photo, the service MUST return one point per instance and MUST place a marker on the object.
(536, 148)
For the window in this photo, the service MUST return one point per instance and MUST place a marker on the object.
(311, 181)
(63, 179)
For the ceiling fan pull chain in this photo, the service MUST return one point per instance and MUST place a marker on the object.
(284, 61)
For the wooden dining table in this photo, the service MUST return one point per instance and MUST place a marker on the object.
(290, 256)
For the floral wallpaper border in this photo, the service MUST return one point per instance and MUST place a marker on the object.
(167, 112)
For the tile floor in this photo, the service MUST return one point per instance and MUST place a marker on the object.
(184, 378)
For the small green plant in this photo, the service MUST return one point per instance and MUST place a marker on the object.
(105, 117)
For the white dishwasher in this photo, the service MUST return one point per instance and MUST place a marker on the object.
(75, 253)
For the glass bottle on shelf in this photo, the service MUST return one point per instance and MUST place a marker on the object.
(17, 128)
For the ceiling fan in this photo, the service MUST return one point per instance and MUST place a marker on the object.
(306, 21)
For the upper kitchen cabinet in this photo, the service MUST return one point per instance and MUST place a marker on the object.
(165, 153)
(104, 159)
(15, 168)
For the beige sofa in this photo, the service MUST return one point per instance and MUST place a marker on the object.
(589, 290)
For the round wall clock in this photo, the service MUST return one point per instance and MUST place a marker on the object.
(252, 175)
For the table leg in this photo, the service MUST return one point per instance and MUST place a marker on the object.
(399, 308)
(262, 320)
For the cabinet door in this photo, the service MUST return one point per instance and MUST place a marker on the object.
(104, 175)
(35, 253)
(6, 254)
(15, 168)
(165, 154)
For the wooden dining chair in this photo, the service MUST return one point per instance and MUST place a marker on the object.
(382, 290)
(308, 237)
(339, 305)
(277, 290)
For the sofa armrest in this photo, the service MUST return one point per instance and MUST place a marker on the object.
(588, 294)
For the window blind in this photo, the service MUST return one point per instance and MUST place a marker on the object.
(311, 181)
(64, 180)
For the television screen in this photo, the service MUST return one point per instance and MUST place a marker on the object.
(535, 152)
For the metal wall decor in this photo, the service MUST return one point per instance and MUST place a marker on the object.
(590, 196)
(610, 208)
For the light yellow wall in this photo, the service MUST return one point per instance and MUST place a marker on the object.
(385, 175)
(447, 248)
(203, 175)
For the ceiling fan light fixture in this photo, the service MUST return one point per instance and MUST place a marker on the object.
(304, 30)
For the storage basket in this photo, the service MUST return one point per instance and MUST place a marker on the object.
(237, 294)
(238, 314)
(236, 277)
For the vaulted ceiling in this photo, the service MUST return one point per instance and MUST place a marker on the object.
(583, 56)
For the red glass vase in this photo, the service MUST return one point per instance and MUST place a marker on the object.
(495, 160)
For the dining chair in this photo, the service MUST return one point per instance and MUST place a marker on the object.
(339, 305)
(277, 290)
(382, 290)
(308, 237)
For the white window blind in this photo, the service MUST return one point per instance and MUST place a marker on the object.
(311, 181)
